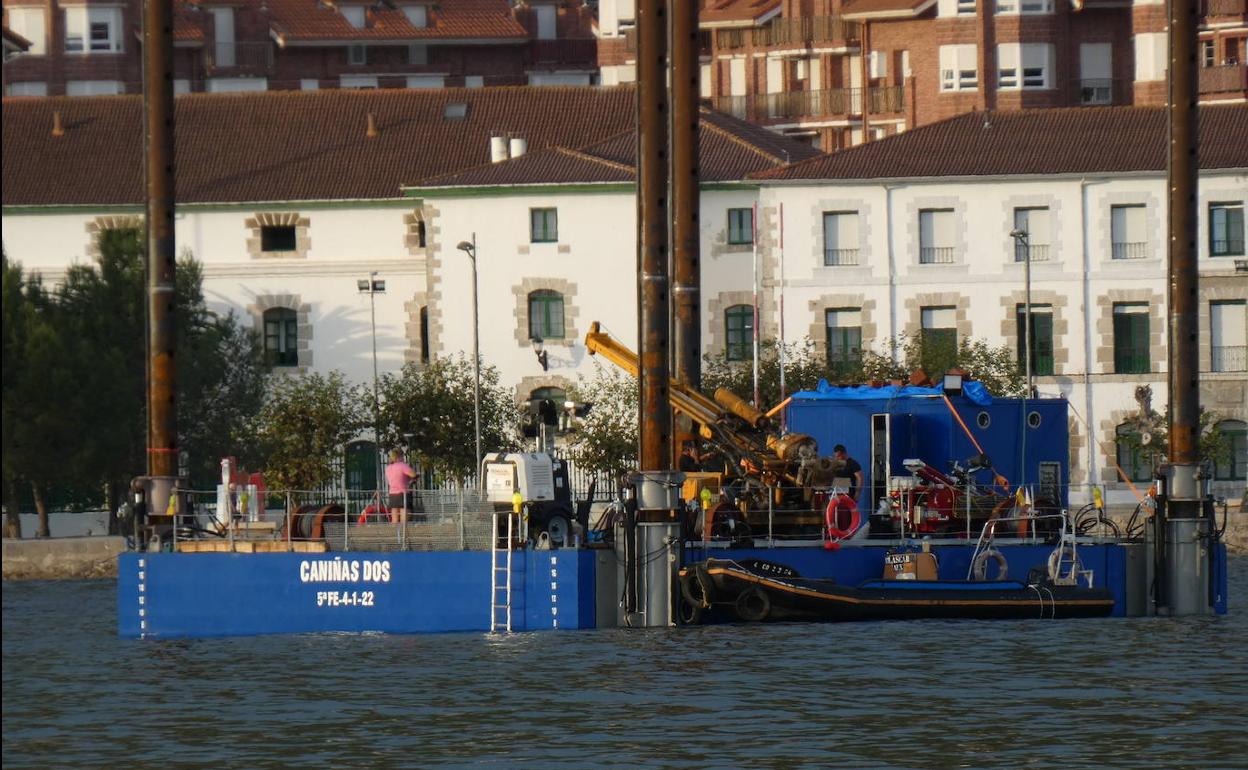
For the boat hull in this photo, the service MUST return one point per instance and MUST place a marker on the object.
(744, 594)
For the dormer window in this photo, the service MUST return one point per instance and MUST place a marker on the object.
(354, 14)
(418, 15)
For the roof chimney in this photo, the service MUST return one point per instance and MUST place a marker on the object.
(519, 146)
(372, 132)
(498, 149)
(58, 128)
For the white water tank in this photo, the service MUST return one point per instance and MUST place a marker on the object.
(519, 146)
(498, 149)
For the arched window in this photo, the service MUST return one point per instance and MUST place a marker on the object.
(1134, 458)
(546, 315)
(552, 413)
(281, 337)
(1233, 465)
(739, 332)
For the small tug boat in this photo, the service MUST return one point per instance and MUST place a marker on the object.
(755, 590)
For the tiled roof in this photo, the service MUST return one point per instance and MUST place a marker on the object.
(884, 9)
(553, 165)
(728, 149)
(188, 26)
(1072, 140)
(289, 145)
(295, 21)
(720, 12)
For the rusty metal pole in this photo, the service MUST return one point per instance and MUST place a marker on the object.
(1184, 590)
(652, 241)
(686, 254)
(162, 425)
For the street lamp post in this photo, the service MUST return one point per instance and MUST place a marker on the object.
(470, 248)
(374, 287)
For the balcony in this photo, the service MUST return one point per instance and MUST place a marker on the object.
(1223, 7)
(810, 104)
(790, 33)
(574, 52)
(936, 255)
(1036, 252)
(1229, 358)
(840, 257)
(1223, 78)
(1129, 250)
(238, 58)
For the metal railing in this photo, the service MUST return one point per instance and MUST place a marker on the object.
(1129, 250)
(1038, 252)
(1229, 358)
(840, 257)
(568, 50)
(799, 104)
(936, 255)
(247, 56)
(803, 31)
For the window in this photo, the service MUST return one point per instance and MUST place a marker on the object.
(959, 70)
(543, 225)
(878, 65)
(1041, 338)
(357, 54)
(26, 89)
(1033, 220)
(1135, 459)
(1096, 85)
(1131, 338)
(1036, 6)
(1127, 232)
(92, 29)
(739, 328)
(93, 88)
(740, 226)
(936, 236)
(1024, 65)
(844, 340)
(1006, 7)
(417, 15)
(30, 24)
(281, 337)
(424, 334)
(840, 237)
(554, 410)
(354, 14)
(1226, 229)
(1206, 53)
(1233, 465)
(966, 7)
(1228, 344)
(277, 238)
(546, 315)
(939, 338)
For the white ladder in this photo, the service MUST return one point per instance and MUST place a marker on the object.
(500, 575)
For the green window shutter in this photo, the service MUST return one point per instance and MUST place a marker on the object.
(739, 332)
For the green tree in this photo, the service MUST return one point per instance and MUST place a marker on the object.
(430, 409)
(302, 427)
(803, 368)
(605, 440)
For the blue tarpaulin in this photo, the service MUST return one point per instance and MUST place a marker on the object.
(975, 392)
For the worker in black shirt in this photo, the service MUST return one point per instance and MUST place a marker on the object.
(850, 469)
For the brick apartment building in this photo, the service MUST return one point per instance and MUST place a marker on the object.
(844, 71)
(94, 47)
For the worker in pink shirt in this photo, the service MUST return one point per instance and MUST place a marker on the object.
(397, 475)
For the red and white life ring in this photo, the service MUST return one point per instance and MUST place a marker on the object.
(839, 506)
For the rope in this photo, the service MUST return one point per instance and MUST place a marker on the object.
(997, 478)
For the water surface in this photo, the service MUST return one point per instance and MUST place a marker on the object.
(1123, 693)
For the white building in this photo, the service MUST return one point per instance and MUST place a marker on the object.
(904, 235)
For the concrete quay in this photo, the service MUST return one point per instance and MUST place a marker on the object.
(62, 558)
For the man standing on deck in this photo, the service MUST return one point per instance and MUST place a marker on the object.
(849, 469)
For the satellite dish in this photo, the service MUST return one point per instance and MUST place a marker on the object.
(1146, 439)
